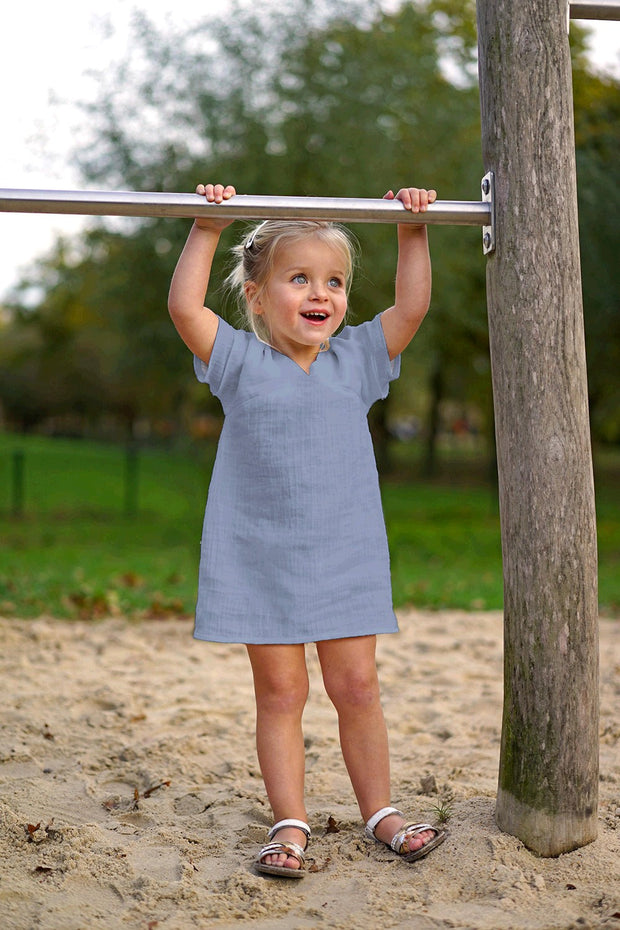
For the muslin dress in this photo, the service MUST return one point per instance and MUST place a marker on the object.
(294, 546)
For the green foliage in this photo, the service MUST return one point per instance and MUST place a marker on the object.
(597, 132)
(442, 811)
(346, 98)
(351, 102)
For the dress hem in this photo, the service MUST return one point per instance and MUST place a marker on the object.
(292, 642)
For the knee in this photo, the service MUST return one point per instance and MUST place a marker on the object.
(355, 690)
(282, 695)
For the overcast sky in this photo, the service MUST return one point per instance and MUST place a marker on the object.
(45, 56)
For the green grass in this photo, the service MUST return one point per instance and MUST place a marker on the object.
(77, 550)
(445, 548)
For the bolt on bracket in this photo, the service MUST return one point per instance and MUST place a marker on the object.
(488, 196)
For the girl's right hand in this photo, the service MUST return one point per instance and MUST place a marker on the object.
(214, 193)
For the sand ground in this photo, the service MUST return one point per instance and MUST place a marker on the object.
(130, 795)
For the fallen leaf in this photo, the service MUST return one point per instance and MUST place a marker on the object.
(132, 580)
(149, 791)
(319, 868)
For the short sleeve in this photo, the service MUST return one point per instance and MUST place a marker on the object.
(222, 371)
(367, 341)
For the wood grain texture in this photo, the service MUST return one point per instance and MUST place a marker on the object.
(548, 780)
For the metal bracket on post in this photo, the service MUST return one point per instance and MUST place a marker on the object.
(488, 196)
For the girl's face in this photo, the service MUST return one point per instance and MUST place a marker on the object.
(304, 300)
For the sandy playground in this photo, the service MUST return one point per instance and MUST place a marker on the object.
(130, 795)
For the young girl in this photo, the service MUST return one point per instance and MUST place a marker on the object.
(294, 547)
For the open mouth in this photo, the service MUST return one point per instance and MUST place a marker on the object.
(315, 316)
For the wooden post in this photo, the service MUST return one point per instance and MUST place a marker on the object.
(548, 778)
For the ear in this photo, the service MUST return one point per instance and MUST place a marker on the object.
(252, 295)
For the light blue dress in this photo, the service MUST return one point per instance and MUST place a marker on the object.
(294, 548)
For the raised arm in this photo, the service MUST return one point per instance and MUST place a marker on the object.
(195, 323)
(413, 275)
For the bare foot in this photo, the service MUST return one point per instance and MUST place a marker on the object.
(387, 829)
(286, 835)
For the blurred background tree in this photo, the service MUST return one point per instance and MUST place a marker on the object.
(340, 99)
(597, 141)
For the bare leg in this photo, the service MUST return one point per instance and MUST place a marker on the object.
(281, 689)
(351, 681)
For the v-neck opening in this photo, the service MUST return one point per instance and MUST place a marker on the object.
(297, 364)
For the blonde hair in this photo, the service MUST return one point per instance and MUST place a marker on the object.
(256, 254)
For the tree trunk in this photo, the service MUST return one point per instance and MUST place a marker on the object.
(436, 386)
(381, 438)
(548, 778)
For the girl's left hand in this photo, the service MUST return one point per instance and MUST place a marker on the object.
(214, 193)
(415, 199)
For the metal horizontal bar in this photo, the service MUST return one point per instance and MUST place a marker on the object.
(591, 9)
(242, 206)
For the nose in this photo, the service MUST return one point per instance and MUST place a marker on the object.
(319, 291)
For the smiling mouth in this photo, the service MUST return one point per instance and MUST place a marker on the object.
(315, 316)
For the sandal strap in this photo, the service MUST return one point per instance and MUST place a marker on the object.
(410, 829)
(290, 849)
(376, 819)
(297, 824)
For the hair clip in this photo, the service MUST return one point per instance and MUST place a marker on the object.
(250, 242)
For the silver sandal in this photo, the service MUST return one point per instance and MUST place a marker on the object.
(399, 840)
(293, 850)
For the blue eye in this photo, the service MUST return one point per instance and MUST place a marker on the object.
(300, 279)
(335, 282)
